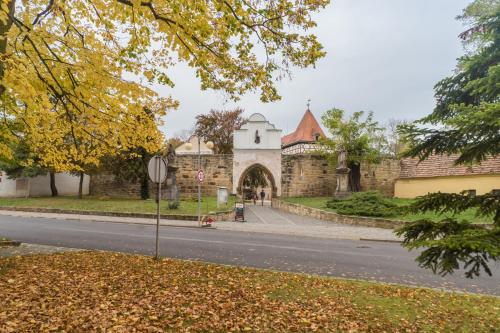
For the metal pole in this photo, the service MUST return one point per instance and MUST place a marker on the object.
(199, 184)
(158, 168)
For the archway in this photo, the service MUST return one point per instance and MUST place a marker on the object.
(269, 184)
(257, 144)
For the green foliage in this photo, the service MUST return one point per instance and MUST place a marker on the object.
(130, 165)
(254, 178)
(488, 205)
(449, 243)
(23, 162)
(360, 138)
(365, 204)
(174, 204)
(363, 140)
(466, 121)
(473, 133)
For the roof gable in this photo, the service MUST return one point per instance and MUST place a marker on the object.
(306, 131)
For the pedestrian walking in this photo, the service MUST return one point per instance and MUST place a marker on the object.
(262, 196)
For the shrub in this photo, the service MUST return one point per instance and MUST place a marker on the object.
(174, 204)
(364, 204)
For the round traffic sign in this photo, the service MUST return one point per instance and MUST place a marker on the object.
(157, 169)
(200, 176)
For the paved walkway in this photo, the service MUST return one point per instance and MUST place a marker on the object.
(270, 220)
(258, 219)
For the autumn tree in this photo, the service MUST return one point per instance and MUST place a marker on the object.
(63, 66)
(361, 139)
(465, 122)
(218, 126)
(175, 142)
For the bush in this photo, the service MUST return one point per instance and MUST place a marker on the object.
(364, 204)
(174, 204)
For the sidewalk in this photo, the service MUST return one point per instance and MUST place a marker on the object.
(326, 230)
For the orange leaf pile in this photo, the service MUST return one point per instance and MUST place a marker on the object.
(111, 292)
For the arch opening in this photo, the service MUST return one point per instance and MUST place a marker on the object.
(254, 179)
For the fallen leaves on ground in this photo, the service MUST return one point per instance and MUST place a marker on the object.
(111, 292)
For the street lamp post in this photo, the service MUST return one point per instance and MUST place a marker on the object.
(209, 145)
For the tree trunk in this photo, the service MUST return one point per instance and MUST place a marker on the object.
(145, 187)
(355, 177)
(53, 188)
(80, 186)
(4, 30)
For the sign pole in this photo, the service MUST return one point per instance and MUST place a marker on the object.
(157, 171)
(199, 184)
(158, 208)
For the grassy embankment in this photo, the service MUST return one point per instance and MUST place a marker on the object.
(320, 203)
(187, 207)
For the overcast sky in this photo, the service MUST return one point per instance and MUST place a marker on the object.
(382, 55)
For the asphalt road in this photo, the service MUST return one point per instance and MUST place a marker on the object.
(379, 261)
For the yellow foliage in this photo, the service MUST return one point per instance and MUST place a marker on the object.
(63, 73)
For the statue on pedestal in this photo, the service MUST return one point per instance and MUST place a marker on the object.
(342, 171)
(172, 191)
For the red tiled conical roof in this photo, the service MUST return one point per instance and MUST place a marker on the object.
(307, 131)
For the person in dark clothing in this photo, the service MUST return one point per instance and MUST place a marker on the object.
(262, 196)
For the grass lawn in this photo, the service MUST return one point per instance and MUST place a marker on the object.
(111, 292)
(187, 207)
(320, 202)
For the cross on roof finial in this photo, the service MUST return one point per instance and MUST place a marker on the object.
(308, 103)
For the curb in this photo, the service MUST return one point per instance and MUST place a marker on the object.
(9, 243)
(380, 240)
(152, 223)
(103, 213)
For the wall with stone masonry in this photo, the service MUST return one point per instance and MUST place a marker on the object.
(307, 176)
(334, 217)
(105, 184)
(380, 177)
(218, 172)
(302, 175)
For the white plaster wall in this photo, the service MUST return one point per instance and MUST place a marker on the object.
(40, 186)
(244, 158)
(66, 184)
(7, 186)
(270, 137)
(247, 152)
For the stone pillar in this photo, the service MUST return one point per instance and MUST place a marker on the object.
(342, 189)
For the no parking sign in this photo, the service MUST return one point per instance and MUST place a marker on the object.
(200, 176)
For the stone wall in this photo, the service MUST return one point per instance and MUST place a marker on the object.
(111, 186)
(307, 176)
(380, 177)
(218, 172)
(334, 217)
(302, 175)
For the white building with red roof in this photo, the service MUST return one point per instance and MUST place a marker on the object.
(305, 139)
